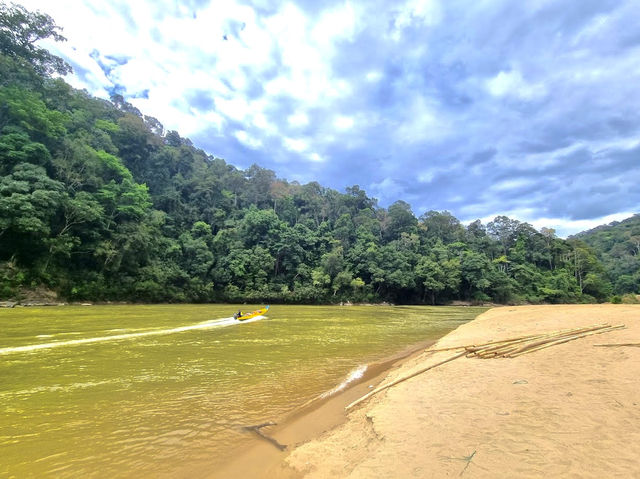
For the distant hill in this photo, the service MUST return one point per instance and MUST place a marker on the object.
(98, 202)
(618, 247)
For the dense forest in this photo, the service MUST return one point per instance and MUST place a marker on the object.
(99, 202)
(618, 247)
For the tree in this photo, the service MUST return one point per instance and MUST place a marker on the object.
(504, 230)
(135, 143)
(24, 111)
(475, 268)
(344, 230)
(197, 259)
(433, 277)
(579, 260)
(259, 184)
(627, 284)
(342, 282)
(97, 204)
(18, 148)
(260, 227)
(617, 247)
(333, 262)
(124, 201)
(20, 30)
(401, 220)
(76, 211)
(29, 200)
(444, 226)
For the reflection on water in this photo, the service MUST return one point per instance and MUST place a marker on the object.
(124, 391)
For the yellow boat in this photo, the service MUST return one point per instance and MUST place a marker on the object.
(252, 314)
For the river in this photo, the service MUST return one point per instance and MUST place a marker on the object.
(144, 390)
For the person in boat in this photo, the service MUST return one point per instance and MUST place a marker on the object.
(237, 315)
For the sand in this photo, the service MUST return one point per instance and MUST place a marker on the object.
(261, 460)
(571, 410)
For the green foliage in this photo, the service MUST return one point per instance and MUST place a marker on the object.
(20, 30)
(617, 246)
(126, 200)
(18, 148)
(113, 167)
(97, 204)
(28, 201)
(106, 125)
(25, 111)
(630, 299)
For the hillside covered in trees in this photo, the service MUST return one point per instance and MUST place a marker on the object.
(618, 247)
(99, 202)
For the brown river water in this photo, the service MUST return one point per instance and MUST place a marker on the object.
(158, 390)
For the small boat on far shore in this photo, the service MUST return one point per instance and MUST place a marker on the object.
(240, 316)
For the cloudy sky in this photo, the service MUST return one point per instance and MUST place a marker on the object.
(485, 107)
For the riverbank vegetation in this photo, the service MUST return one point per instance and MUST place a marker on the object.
(99, 202)
(618, 247)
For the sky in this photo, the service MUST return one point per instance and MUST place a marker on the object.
(482, 108)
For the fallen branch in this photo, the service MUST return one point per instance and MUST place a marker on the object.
(468, 460)
(612, 345)
(257, 429)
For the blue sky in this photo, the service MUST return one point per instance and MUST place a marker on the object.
(482, 108)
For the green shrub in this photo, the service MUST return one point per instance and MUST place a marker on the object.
(630, 299)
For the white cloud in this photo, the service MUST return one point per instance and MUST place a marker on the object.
(260, 120)
(422, 122)
(511, 184)
(296, 145)
(343, 122)
(373, 76)
(236, 108)
(306, 48)
(511, 84)
(333, 86)
(421, 12)
(219, 51)
(339, 23)
(248, 140)
(386, 191)
(565, 227)
(427, 176)
(298, 119)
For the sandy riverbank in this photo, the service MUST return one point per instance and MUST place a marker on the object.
(263, 460)
(571, 410)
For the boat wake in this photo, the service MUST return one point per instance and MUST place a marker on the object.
(211, 324)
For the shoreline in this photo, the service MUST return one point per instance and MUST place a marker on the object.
(569, 410)
(318, 416)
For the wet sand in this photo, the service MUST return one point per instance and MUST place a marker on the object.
(263, 460)
(571, 410)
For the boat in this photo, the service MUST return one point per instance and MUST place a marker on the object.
(252, 314)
